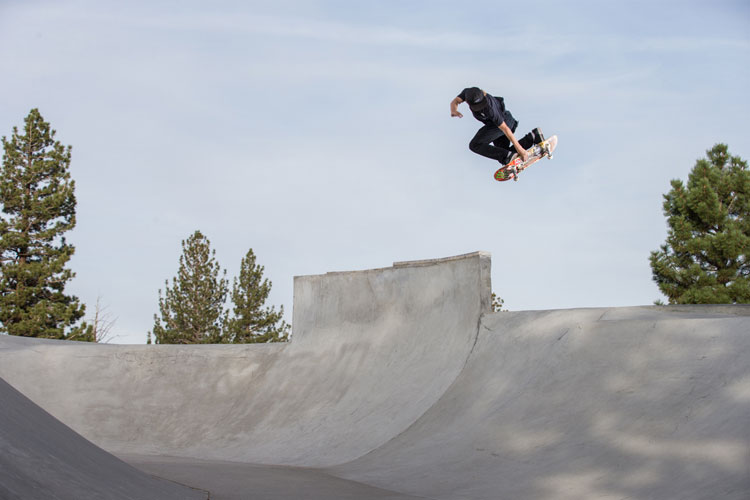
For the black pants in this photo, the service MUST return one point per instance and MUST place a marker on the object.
(491, 142)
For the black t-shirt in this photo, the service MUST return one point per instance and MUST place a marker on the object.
(494, 113)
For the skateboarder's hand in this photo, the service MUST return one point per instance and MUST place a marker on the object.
(454, 107)
(523, 154)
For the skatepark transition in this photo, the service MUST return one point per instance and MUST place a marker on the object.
(398, 383)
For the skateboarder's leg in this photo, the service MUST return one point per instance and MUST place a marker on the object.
(533, 137)
(503, 142)
(482, 144)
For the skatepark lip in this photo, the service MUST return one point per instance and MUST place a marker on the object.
(400, 383)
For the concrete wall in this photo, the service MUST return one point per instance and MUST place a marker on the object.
(371, 352)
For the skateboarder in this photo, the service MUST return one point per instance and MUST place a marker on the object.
(495, 140)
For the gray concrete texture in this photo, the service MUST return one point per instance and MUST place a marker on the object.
(399, 383)
(42, 458)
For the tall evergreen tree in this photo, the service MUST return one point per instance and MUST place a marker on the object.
(38, 208)
(251, 322)
(705, 257)
(192, 309)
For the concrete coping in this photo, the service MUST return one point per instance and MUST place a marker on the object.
(431, 262)
(420, 263)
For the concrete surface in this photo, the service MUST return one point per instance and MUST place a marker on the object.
(240, 481)
(42, 458)
(399, 384)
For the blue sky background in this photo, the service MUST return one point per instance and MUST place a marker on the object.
(319, 134)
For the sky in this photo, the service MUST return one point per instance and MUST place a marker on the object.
(319, 134)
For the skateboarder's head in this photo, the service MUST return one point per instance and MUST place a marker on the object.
(476, 99)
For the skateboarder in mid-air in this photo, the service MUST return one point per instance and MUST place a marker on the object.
(495, 139)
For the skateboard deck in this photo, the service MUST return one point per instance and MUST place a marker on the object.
(536, 153)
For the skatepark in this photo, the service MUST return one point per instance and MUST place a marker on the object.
(398, 383)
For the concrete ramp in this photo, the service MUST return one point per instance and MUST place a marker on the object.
(41, 458)
(399, 383)
(630, 403)
(371, 352)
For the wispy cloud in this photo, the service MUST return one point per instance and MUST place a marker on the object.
(514, 39)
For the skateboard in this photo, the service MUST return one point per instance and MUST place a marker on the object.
(536, 153)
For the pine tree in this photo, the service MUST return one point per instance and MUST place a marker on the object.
(251, 322)
(192, 309)
(38, 207)
(705, 257)
(497, 303)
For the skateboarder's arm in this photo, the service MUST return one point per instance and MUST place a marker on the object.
(454, 107)
(509, 134)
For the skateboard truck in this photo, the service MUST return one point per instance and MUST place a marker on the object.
(514, 169)
(546, 151)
